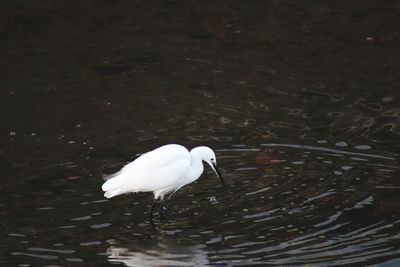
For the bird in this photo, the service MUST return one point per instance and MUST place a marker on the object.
(163, 171)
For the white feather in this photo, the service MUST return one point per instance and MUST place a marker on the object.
(149, 172)
(163, 170)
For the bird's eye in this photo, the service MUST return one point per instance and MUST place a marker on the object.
(212, 159)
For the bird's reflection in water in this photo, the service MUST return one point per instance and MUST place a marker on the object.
(159, 255)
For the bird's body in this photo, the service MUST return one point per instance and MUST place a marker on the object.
(162, 171)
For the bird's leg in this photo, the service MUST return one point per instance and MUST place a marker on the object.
(152, 209)
(162, 209)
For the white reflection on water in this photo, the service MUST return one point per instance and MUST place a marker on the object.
(159, 256)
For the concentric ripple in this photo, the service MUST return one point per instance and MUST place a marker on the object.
(302, 204)
(285, 204)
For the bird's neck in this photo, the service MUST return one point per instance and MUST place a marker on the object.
(196, 154)
(195, 171)
(196, 165)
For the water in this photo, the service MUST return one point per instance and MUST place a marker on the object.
(303, 116)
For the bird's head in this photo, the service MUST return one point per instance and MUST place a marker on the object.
(208, 155)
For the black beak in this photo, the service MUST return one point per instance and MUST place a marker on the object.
(218, 173)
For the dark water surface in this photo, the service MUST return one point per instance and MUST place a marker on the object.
(300, 100)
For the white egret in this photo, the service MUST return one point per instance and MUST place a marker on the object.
(163, 171)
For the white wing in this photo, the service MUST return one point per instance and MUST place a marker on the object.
(152, 171)
(157, 159)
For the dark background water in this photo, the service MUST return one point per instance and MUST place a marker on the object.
(300, 100)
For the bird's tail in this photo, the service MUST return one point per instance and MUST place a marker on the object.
(113, 187)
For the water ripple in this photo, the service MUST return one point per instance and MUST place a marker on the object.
(329, 150)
